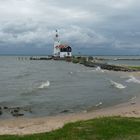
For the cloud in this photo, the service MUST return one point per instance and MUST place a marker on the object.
(98, 24)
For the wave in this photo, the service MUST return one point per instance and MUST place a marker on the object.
(22, 75)
(133, 80)
(44, 85)
(99, 69)
(70, 73)
(99, 104)
(133, 98)
(36, 88)
(117, 85)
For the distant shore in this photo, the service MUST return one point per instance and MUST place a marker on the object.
(23, 125)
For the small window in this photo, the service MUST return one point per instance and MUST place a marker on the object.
(69, 49)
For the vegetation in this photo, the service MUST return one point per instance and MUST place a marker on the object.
(110, 128)
(134, 67)
(82, 60)
(75, 60)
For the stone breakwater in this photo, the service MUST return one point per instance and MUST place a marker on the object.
(110, 67)
(90, 62)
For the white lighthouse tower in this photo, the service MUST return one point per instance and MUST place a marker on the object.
(61, 50)
(56, 43)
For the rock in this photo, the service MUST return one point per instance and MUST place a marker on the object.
(0, 112)
(133, 103)
(5, 107)
(21, 114)
(17, 114)
(12, 112)
(15, 111)
(64, 111)
(18, 108)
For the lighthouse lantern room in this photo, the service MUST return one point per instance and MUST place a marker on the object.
(61, 50)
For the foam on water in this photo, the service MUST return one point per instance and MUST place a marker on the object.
(133, 98)
(117, 85)
(22, 75)
(99, 104)
(44, 85)
(99, 69)
(133, 80)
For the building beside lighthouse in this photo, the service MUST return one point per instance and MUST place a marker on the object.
(61, 50)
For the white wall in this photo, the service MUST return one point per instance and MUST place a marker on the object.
(65, 54)
(56, 50)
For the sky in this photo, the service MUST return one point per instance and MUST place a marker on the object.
(95, 27)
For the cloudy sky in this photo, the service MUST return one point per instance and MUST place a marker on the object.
(89, 26)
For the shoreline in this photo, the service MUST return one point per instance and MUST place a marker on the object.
(24, 126)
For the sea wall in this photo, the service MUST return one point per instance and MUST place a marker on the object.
(91, 62)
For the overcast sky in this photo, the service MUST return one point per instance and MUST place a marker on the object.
(89, 26)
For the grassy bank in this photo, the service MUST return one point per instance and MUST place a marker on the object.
(134, 67)
(111, 128)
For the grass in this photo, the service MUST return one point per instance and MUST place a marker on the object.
(134, 67)
(110, 128)
(75, 60)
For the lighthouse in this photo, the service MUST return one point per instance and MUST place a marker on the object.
(61, 50)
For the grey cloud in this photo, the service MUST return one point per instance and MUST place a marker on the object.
(97, 24)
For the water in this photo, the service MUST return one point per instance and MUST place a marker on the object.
(122, 62)
(55, 87)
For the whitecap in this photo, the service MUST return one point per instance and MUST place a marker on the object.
(133, 98)
(99, 104)
(133, 80)
(99, 69)
(22, 75)
(71, 73)
(44, 85)
(117, 85)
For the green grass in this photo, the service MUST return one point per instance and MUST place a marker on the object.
(110, 128)
(134, 67)
(75, 60)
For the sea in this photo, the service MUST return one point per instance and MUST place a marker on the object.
(49, 88)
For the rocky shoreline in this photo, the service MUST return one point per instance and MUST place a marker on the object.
(14, 111)
(24, 126)
(110, 67)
